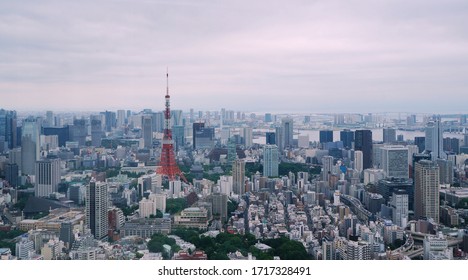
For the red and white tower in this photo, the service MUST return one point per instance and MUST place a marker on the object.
(168, 165)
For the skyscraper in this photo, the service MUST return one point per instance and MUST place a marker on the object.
(219, 202)
(395, 161)
(238, 177)
(96, 209)
(327, 167)
(287, 125)
(247, 135)
(79, 131)
(389, 135)
(363, 142)
(326, 136)
(147, 130)
(434, 140)
(400, 207)
(426, 190)
(347, 137)
(270, 138)
(96, 131)
(358, 161)
(270, 161)
(47, 177)
(8, 128)
(30, 146)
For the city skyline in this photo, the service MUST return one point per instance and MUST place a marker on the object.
(322, 56)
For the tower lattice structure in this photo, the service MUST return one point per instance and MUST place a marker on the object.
(168, 166)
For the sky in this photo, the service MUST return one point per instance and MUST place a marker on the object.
(264, 56)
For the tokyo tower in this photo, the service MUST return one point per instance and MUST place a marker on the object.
(168, 166)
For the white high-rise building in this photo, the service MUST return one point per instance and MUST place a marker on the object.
(358, 161)
(399, 204)
(435, 140)
(395, 161)
(97, 201)
(248, 136)
(47, 177)
(287, 125)
(146, 208)
(270, 161)
(121, 118)
(175, 188)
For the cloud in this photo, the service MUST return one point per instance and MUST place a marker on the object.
(308, 56)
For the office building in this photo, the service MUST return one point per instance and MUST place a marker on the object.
(12, 174)
(110, 120)
(79, 131)
(400, 207)
(121, 118)
(326, 136)
(358, 161)
(395, 161)
(8, 128)
(287, 127)
(238, 176)
(421, 143)
(247, 136)
(270, 138)
(270, 161)
(363, 142)
(178, 135)
(96, 131)
(47, 177)
(426, 190)
(389, 135)
(30, 145)
(96, 208)
(327, 167)
(434, 140)
(219, 202)
(347, 137)
(445, 171)
(147, 131)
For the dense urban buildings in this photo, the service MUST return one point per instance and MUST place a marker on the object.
(110, 185)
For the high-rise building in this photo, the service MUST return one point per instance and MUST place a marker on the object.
(79, 131)
(363, 142)
(421, 143)
(96, 131)
(268, 117)
(400, 207)
(445, 171)
(328, 248)
(121, 118)
(347, 137)
(178, 135)
(326, 136)
(63, 133)
(247, 135)
(426, 190)
(219, 202)
(279, 138)
(389, 135)
(434, 140)
(8, 129)
(110, 120)
(358, 161)
(270, 161)
(96, 208)
(270, 138)
(30, 145)
(12, 174)
(358, 250)
(47, 177)
(50, 120)
(395, 161)
(147, 131)
(327, 167)
(287, 127)
(238, 177)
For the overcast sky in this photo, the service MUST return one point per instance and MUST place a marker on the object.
(277, 56)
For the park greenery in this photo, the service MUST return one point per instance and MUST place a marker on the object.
(7, 239)
(224, 243)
